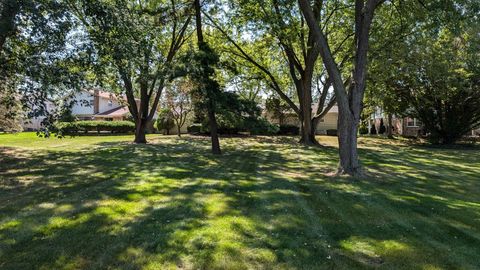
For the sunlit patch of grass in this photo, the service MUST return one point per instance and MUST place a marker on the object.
(266, 203)
(372, 247)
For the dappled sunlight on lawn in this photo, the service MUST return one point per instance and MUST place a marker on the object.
(266, 203)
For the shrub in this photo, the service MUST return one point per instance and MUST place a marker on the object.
(331, 132)
(373, 130)
(78, 127)
(261, 126)
(288, 130)
(228, 123)
(165, 121)
(227, 130)
(363, 129)
(195, 128)
(229, 126)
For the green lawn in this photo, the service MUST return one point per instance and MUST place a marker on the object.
(267, 203)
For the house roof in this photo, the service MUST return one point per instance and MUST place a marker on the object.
(108, 95)
(334, 108)
(119, 111)
(105, 94)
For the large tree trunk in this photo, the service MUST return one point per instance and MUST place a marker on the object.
(390, 126)
(307, 130)
(304, 90)
(140, 128)
(347, 143)
(349, 102)
(214, 132)
(314, 127)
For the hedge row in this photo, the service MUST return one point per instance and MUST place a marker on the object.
(288, 130)
(78, 127)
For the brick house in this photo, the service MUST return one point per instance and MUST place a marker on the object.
(404, 126)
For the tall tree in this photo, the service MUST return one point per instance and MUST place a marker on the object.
(427, 71)
(134, 47)
(35, 63)
(350, 96)
(438, 76)
(279, 26)
(207, 89)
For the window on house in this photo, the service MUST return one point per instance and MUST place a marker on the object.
(91, 102)
(413, 122)
(322, 120)
(110, 103)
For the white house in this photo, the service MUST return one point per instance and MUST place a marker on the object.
(89, 105)
(99, 105)
(329, 121)
(35, 123)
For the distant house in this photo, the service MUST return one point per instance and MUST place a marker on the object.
(99, 105)
(476, 132)
(408, 126)
(405, 126)
(89, 105)
(329, 121)
(35, 123)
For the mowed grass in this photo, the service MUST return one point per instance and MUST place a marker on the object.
(266, 203)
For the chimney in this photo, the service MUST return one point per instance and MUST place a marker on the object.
(96, 101)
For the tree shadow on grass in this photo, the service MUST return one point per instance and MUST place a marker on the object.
(263, 204)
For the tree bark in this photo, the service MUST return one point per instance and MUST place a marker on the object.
(349, 102)
(314, 127)
(214, 132)
(211, 105)
(306, 117)
(347, 142)
(140, 134)
(390, 126)
(308, 133)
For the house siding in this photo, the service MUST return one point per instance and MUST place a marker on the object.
(80, 108)
(104, 104)
(330, 121)
(35, 123)
(476, 132)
